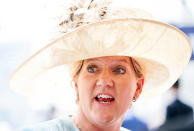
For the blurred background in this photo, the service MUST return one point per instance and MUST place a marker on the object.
(25, 26)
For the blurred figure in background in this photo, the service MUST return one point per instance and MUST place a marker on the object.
(179, 116)
(133, 123)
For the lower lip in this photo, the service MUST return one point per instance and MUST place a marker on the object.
(105, 104)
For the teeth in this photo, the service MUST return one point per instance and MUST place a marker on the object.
(104, 96)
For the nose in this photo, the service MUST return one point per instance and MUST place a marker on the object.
(104, 79)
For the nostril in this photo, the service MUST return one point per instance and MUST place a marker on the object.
(104, 83)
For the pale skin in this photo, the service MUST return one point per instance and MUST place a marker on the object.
(110, 75)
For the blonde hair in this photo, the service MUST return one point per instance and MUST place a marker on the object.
(137, 68)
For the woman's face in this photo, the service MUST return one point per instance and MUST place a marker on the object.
(106, 87)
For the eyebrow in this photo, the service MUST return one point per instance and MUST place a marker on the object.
(123, 60)
(118, 60)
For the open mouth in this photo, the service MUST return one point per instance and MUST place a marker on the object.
(104, 98)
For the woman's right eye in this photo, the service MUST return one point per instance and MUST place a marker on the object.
(92, 69)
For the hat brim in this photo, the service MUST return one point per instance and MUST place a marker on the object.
(162, 50)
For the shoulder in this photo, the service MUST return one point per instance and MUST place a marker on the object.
(59, 124)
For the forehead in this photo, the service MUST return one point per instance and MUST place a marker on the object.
(110, 59)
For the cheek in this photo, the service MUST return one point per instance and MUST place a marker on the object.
(127, 89)
(85, 87)
(126, 96)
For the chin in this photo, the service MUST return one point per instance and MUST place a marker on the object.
(104, 118)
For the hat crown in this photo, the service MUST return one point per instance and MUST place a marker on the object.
(85, 12)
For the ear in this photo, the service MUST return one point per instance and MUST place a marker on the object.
(74, 82)
(75, 86)
(140, 83)
(77, 92)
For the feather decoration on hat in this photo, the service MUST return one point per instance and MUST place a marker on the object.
(83, 12)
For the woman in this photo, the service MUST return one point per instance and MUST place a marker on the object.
(114, 56)
(106, 87)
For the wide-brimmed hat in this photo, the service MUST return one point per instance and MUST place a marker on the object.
(96, 29)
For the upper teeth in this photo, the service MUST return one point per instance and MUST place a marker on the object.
(104, 96)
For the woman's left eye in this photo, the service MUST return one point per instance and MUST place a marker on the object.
(119, 70)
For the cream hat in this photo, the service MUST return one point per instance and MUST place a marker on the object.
(94, 29)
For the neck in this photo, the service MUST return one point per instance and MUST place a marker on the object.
(84, 124)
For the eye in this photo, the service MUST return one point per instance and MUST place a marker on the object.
(92, 69)
(119, 70)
